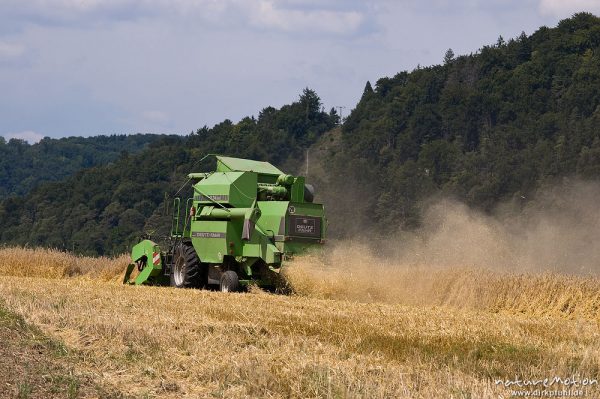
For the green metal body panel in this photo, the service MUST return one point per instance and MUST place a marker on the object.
(210, 239)
(287, 238)
(297, 194)
(238, 189)
(229, 164)
(147, 254)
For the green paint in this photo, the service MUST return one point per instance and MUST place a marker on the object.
(249, 216)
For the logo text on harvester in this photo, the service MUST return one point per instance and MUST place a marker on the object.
(554, 387)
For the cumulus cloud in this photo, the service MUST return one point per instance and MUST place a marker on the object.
(16, 14)
(564, 8)
(269, 15)
(333, 16)
(28, 135)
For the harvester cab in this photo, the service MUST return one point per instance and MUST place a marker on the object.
(244, 221)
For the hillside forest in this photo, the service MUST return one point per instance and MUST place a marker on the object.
(485, 128)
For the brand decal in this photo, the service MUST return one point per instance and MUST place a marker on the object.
(207, 234)
(305, 226)
(216, 197)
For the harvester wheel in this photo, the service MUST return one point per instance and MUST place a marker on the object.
(229, 281)
(188, 271)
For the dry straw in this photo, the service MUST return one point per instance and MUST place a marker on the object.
(52, 263)
(354, 329)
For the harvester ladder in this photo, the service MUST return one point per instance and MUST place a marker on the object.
(175, 222)
(187, 224)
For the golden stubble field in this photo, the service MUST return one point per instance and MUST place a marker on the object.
(416, 333)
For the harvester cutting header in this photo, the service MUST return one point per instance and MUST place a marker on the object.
(244, 220)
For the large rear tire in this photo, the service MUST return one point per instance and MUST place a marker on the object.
(229, 282)
(188, 271)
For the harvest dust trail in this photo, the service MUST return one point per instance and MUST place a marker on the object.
(355, 275)
(543, 259)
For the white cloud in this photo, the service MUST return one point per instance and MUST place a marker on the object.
(564, 8)
(28, 135)
(11, 50)
(333, 16)
(268, 15)
(156, 117)
(85, 13)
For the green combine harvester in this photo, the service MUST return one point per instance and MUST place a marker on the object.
(243, 222)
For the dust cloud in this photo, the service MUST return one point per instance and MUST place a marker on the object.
(557, 233)
(541, 257)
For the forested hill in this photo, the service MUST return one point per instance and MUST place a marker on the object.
(24, 166)
(482, 128)
(104, 209)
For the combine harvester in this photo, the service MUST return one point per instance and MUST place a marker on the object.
(244, 220)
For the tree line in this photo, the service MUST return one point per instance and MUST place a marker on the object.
(104, 208)
(484, 128)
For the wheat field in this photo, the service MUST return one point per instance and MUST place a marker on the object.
(414, 333)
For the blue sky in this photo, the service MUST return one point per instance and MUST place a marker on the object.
(87, 67)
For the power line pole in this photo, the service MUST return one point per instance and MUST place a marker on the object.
(340, 108)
